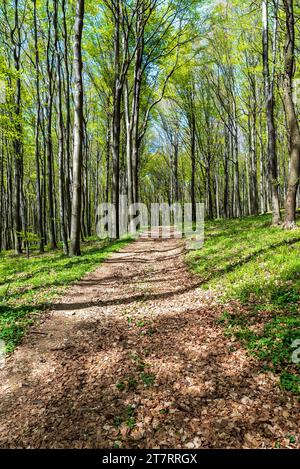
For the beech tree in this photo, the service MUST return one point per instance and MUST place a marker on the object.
(291, 116)
(78, 131)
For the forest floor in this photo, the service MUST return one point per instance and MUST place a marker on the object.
(135, 356)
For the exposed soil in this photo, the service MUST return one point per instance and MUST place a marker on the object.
(132, 356)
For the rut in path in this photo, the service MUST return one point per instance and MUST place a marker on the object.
(133, 356)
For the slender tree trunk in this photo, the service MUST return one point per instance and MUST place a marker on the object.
(15, 34)
(128, 122)
(226, 175)
(116, 126)
(175, 172)
(2, 212)
(237, 192)
(78, 132)
(253, 159)
(39, 205)
(263, 190)
(60, 126)
(136, 113)
(107, 147)
(50, 179)
(269, 98)
(68, 117)
(291, 118)
(193, 164)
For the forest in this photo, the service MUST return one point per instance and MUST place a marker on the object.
(164, 102)
(171, 101)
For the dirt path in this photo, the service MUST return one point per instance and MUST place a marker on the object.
(133, 357)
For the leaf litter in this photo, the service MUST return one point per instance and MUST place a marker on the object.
(134, 357)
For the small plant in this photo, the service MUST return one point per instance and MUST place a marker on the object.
(132, 383)
(292, 439)
(138, 361)
(127, 417)
(130, 422)
(120, 386)
(117, 421)
(129, 411)
(223, 318)
(290, 382)
(147, 378)
(163, 411)
(140, 324)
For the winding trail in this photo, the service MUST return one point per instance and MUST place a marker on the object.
(133, 356)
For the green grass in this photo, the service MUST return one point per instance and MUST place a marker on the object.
(258, 265)
(27, 286)
(126, 418)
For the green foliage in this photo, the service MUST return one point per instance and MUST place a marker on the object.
(290, 382)
(120, 386)
(148, 379)
(132, 383)
(138, 361)
(249, 261)
(130, 422)
(127, 417)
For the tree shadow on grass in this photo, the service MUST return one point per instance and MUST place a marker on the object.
(244, 260)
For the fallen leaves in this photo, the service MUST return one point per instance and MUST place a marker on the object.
(137, 358)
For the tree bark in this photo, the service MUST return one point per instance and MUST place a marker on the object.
(68, 117)
(78, 132)
(15, 34)
(116, 126)
(193, 164)
(291, 118)
(49, 105)
(60, 126)
(39, 205)
(269, 103)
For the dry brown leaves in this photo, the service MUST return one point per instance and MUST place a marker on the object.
(133, 357)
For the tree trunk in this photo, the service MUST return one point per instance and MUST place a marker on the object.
(107, 148)
(60, 126)
(269, 99)
(49, 138)
(68, 117)
(39, 205)
(128, 122)
(116, 127)
(237, 192)
(193, 164)
(17, 143)
(78, 132)
(291, 118)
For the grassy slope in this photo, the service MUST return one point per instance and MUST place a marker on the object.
(249, 261)
(27, 286)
